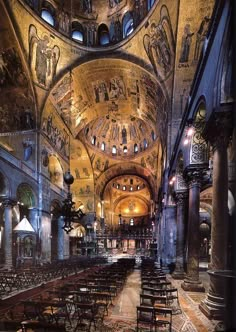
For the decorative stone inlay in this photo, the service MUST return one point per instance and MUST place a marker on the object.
(180, 197)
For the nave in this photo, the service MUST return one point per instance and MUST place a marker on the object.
(114, 291)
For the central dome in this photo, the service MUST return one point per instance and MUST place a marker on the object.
(119, 136)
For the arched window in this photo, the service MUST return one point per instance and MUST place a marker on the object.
(103, 35)
(103, 146)
(128, 24)
(47, 17)
(153, 135)
(145, 144)
(93, 140)
(150, 4)
(131, 222)
(113, 151)
(135, 148)
(125, 149)
(77, 32)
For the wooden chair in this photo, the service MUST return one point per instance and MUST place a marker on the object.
(145, 317)
(147, 300)
(173, 300)
(162, 318)
(86, 314)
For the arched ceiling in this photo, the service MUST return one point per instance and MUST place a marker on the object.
(105, 97)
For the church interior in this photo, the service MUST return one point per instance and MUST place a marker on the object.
(117, 165)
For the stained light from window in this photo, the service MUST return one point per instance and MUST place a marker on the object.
(150, 4)
(103, 146)
(153, 135)
(113, 151)
(78, 35)
(145, 143)
(135, 148)
(94, 140)
(47, 17)
(128, 24)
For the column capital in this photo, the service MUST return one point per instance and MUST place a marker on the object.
(8, 202)
(218, 129)
(194, 176)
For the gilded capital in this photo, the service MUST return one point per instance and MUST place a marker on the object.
(218, 130)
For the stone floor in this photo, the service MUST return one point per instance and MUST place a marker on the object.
(191, 319)
(122, 314)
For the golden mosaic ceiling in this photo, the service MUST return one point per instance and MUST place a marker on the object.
(115, 101)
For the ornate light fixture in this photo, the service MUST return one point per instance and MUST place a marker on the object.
(68, 211)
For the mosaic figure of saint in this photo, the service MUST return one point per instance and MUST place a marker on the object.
(185, 44)
(159, 44)
(201, 36)
(124, 135)
(43, 58)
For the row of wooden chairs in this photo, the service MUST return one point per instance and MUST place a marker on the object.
(154, 317)
(158, 299)
(20, 279)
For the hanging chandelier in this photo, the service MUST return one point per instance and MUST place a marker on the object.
(68, 211)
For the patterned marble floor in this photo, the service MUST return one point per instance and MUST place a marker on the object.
(190, 320)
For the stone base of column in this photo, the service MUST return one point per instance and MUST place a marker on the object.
(192, 285)
(213, 307)
(178, 274)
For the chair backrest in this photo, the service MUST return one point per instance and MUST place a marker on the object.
(145, 314)
(160, 313)
(146, 300)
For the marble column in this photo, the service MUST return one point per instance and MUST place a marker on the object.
(213, 305)
(181, 201)
(8, 204)
(60, 239)
(192, 282)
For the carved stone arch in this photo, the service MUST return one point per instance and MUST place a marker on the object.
(26, 204)
(198, 147)
(126, 169)
(26, 196)
(206, 207)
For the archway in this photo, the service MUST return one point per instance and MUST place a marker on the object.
(127, 212)
(24, 227)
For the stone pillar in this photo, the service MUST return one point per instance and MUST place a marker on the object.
(169, 235)
(8, 204)
(181, 201)
(213, 305)
(60, 239)
(192, 282)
